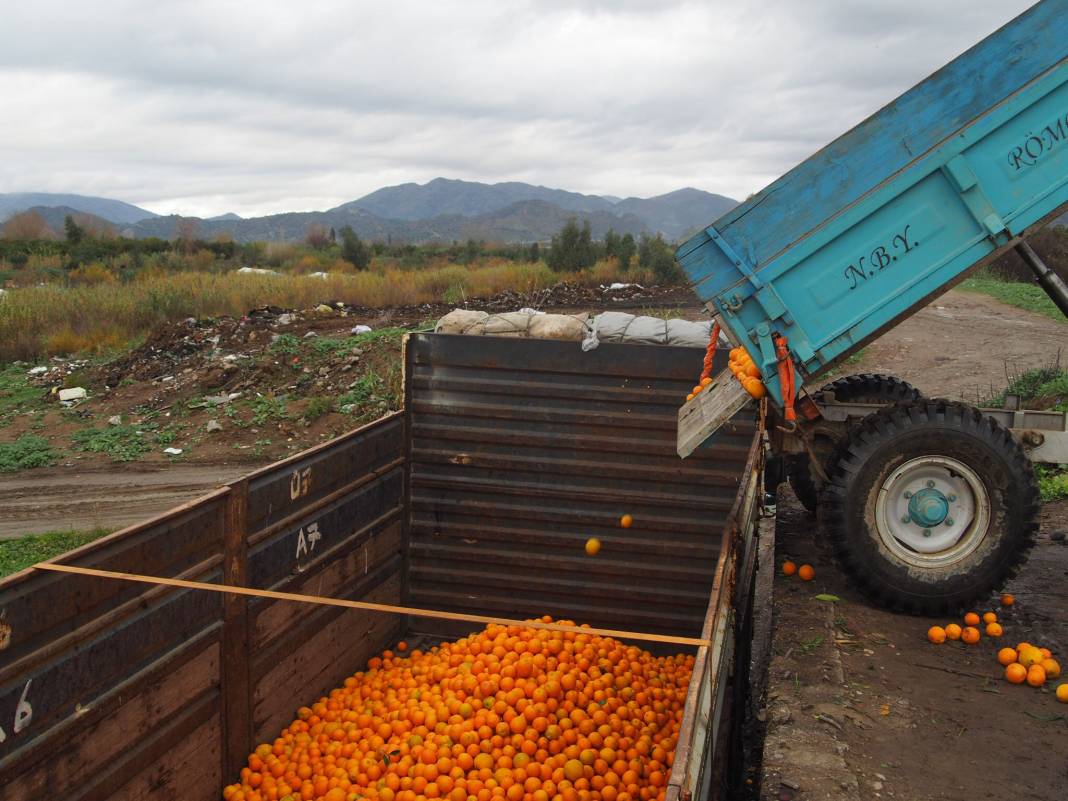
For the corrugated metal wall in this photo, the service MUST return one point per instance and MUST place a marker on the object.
(523, 449)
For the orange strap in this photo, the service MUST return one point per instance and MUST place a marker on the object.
(367, 605)
(786, 377)
(710, 352)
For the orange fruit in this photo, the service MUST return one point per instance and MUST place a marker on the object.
(806, 572)
(993, 630)
(1062, 693)
(705, 381)
(936, 634)
(626, 521)
(1015, 673)
(1046, 653)
(1052, 668)
(1007, 599)
(788, 568)
(755, 387)
(689, 397)
(971, 619)
(990, 617)
(1029, 655)
(1022, 645)
(752, 370)
(970, 635)
(1036, 675)
(593, 546)
(402, 646)
(1006, 656)
(953, 631)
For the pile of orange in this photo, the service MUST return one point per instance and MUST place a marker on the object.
(507, 714)
(1025, 663)
(747, 373)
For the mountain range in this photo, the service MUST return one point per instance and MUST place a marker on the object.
(442, 210)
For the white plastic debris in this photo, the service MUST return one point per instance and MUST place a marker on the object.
(285, 318)
(361, 329)
(38, 370)
(74, 393)
(317, 275)
(213, 426)
(172, 451)
(257, 271)
(618, 285)
(310, 335)
(115, 420)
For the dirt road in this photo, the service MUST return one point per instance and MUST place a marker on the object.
(102, 496)
(963, 345)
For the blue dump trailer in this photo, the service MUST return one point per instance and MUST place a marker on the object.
(929, 503)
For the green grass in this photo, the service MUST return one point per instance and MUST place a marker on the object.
(17, 394)
(327, 346)
(18, 554)
(1044, 387)
(1024, 296)
(121, 443)
(1052, 482)
(25, 452)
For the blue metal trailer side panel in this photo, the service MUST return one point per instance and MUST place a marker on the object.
(862, 233)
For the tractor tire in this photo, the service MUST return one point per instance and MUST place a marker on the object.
(871, 388)
(862, 388)
(930, 506)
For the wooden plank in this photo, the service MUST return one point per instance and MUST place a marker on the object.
(322, 663)
(703, 416)
(237, 703)
(187, 768)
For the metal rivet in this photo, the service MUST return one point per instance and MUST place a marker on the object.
(908, 494)
(927, 532)
(951, 498)
(906, 519)
(930, 484)
(949, 521)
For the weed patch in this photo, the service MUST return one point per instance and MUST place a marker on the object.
(121, 443)
(1052, 482)
(1023, 296)
(18, 554)
(26, 452)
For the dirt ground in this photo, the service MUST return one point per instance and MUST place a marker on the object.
(860, 705)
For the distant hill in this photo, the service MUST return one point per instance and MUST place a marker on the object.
(446, 196)
(56, 217)
(679, 213)
(442, 210)
(114, 211)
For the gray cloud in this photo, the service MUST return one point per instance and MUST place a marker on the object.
(204, 107)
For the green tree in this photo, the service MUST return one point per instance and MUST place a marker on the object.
(74, 232)
(656, 255)
(353, 249)
(535, 252)
(626, 251)
(611, 244)
(572, 249)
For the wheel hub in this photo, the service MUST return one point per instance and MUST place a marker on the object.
(928, 507)
(932, 511)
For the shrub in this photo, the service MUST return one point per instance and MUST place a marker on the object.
(26, 452)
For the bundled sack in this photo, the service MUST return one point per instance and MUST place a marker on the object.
(526, 324)
(623, 327)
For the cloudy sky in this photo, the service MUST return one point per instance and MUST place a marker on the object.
(204, 107)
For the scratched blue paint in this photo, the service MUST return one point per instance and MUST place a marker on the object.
(864, 232)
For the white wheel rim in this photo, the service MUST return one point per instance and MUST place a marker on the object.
(932, 511)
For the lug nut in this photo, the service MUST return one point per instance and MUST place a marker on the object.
(927, 532)
(951, 498)
(908, 494)
(949, 521)
(930, 484)
(906, 519)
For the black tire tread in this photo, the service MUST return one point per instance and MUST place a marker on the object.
(862, 442)
(876, 387)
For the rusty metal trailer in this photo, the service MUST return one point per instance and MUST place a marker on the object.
(476, 498)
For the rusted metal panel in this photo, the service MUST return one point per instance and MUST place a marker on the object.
(523, 449)
(701, 752)
(334, 529)
(102, 678)
(291, 487)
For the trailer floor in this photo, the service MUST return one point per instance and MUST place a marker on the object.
(859, 705)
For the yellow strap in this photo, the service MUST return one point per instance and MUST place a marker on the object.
(371, 607)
